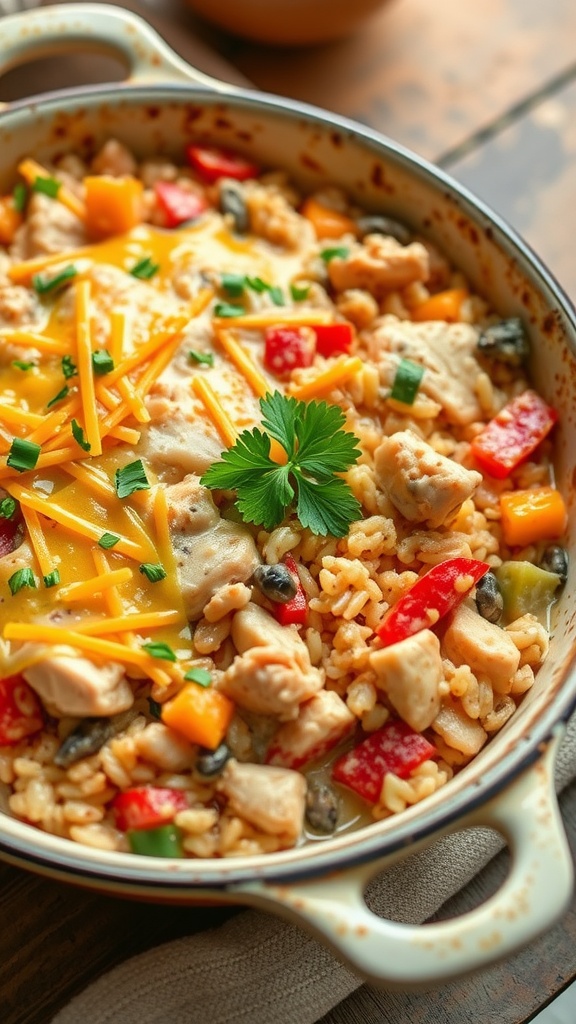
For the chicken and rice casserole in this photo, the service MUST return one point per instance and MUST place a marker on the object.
(279, 534)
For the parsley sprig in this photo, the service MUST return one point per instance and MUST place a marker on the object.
(317, 450)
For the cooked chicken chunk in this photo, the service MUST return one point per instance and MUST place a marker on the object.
(270, 681)
(175, 445)
(272, 799)
(458, 730)
(272, 674)
(253, 626)
(322, 722)
(486, 648)
(114, 158)
(73, 685)
(410, 672)
(447, 353)
(379, 265)
(423, 485)
(210, 551)
(19, 307)
(49, 228)
(273, 218)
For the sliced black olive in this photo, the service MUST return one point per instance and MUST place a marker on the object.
(87, 738)
(233, 203)
(211, 762)
(555, 559)
(321, 808)
(505, 341)
(276, 582)
(489, 600)
(374, 224)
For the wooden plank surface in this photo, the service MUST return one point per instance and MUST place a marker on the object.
(426, 72)
(525, 171)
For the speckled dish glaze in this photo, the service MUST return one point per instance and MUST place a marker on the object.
(509, 785)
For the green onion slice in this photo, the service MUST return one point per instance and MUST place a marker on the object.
(199, 676)
(153, 571)
(131, 478)
(335, 252)
(257, 284)
(102, 362)
(19, 197)
(49, 186)
(145, 268)
(204, 358)
(52, 579)
(44, 285)
(20, 364)
(299, 292)
(276, 295)
(407, 381)
(8, 507)
(108, 540)
(234, 284)
(23, 454)
(226, 309)
(159, 650)
(21, 578)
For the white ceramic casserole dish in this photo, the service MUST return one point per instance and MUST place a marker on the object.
(509, 785)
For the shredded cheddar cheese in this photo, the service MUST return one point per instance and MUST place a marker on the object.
(38, 540)
(71, 521)
(85, 368)
(86, 590)
(336, 375)
(204, 391)
(242, 361)
(31, 170)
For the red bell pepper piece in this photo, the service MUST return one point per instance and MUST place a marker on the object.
(288, 348)
(212, 163)
(509, 438)
(20, 711)
(435, 594)
(333, 338)
(295, 611)
(177, 204)
(148, 806)
(394, 748)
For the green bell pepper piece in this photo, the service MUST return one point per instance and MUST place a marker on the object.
(163, 841)
(526, 589)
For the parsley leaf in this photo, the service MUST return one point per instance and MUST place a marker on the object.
(78, 435)
(69, 368)
(58, 398)
(130, 478)
(21, 578)
(317, 449)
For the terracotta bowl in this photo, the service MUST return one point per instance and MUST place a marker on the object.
(287, 22)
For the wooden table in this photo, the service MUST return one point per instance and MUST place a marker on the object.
(487, 90)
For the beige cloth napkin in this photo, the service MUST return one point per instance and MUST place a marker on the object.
(258, 969)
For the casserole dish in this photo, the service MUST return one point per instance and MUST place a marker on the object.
(509, 785)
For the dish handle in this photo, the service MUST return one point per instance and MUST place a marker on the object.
(50, 31)
(534, 895)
